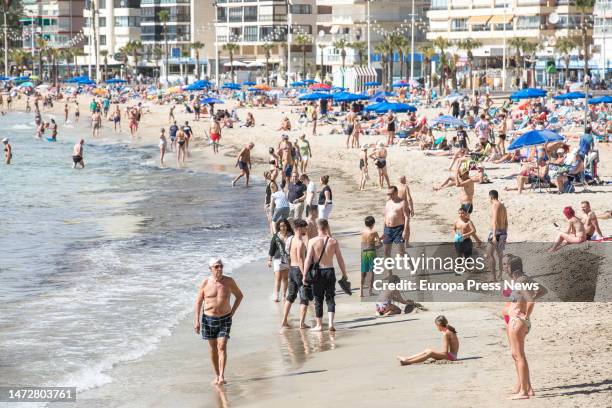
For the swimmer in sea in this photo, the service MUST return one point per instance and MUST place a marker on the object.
(8, 151)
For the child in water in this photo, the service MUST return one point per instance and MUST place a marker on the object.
(450, 345)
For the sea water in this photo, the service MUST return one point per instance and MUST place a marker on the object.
(96, 265)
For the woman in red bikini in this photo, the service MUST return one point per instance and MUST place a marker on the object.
(450, 345)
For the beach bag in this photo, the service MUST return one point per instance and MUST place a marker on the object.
(281, 248)
(314, 271)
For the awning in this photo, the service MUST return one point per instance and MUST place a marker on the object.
(501, 19)
(477, 20)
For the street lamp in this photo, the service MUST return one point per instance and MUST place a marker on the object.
(412, 46)
(7, 5)
(289, 38)
(369, 41)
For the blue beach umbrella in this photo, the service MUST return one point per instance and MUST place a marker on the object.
(116, 81)
(249, 83)
(315, 96)
(195, 87)
(211, 100)
(601, 99)
(253, 89)
(297, 84)
(381, 94)
(86, 82)
(3, 78)
(400, 84)
(528, 93)
(20, 78)
(535, 137)
(372, 83)
(26, 84)
(348, 97)
(449, 121)
(569, 95)
(383, 107)
(309, 81)
(231, 85)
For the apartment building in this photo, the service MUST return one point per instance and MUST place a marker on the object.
(250, 24)
(601, 36)
(493, 21)
(55, 21)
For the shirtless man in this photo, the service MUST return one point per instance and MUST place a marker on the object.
(498, 233)
(590, 222)
(404, 193)
(96, 123)
(297, 253)
(244, 163)
(466, 193)
(66, 111)
(311, 219)
(215, 134)
(216, 320)
(77, 154)
(323, 248)
(575, 232)
(285, 149)
(464, 230)
(397, 216)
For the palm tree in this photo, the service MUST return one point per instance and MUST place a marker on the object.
(134, 48)
(231, 48)
(403, 49)
(164, 17)
(382, 49)
(267, 47)
(342, 45)
(529, 50)
(585, 6)
(303, 40)
(518, 43)
(41, 44)
(393, 40)
(428, 52)
(442, 44)
(468, 45)
(104, 54)
(197, 46)
(19, 58)
(158, 52)
(283, 71)
(565, 46)
(361, 47)
(322, 48)
(77, 52)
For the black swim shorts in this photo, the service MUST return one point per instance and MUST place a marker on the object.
(214, 327)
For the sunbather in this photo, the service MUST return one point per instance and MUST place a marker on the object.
(574, 234)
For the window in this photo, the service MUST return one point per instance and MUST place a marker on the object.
(127, 21)
(280, 13)
(250, 14)
(250, 33)
(301, 9)
(126, 3)
(271, 33)
(459, 24)
(235, 34)
(222, 14)
(528, 22)
(235, 14)
(102, 21)
(439, 4)
(301, 28)
(102, 40)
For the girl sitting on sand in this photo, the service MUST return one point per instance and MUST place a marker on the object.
(450, 345)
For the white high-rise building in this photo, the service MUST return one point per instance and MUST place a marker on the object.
(601, 36)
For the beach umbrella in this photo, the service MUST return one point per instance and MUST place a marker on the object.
(338, 88)
(319, 86)
(249, 83)
(535, 137)
(528, 93)
(315, 96)
(174, 89)
(298, 84)
(99, 91)
(383, 107)
(234, 87)
(372, 83)
(601, 99)
(26, 84)
(348, 97)
(309, 81)
(211, 100)
(255, 64)
(3, 78)
(449, 121)
(195, 87)
(400, 84)
(20, 78)
(116, 81)
(383, 94)
(235, 64)
(262, 87)
(569, 95)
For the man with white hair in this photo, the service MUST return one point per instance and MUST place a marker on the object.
(216, 320)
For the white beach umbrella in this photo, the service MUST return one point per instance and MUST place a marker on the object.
(235, 64)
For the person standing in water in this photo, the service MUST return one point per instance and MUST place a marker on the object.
(244, 163)
(180, 152)
(53, 130)
(96, 122)
(321, 252)
(215, 321)
(162, 147)
(77, 154)
(77, 113)
(8, 151)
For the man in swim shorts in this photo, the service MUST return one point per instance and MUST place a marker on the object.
(215, 322)
(498, 233)
(297, 253)
(244, 163)
(397, 216)
(77, 154)
(215, 134)
(172, 132)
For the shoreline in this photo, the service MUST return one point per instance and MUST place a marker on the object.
(361, 368)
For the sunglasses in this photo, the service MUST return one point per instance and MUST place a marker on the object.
(218, 266)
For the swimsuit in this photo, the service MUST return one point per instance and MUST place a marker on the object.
(181, 142)
(451, 356)
(215, 327)
(296, 281)
(380, 163)
(467, 207)
(367, 259)
(243, 165)
(361, 164)
(393, 235)
(464, 247)
(77, 159)
(215, 137)
(515, 319)
(324, 287)
(501, 236)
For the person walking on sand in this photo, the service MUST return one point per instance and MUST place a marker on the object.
(243, 162)
(77, 154)
(363, 166)
(499, 232)
(403, 191)
(390, 119)
(278, 258)
(590, 222)
(379, 155)
(350, 127)
(215, 134)
(397, 218)
(575, 233)
(305, 152)
(8, 151)
(320, 255)
(450, 345)
(370, 241)
(296, 245)
(519, 312)
(325, 199)
(96, 123)
(163, 142)
(188, 135)
(66, 110)
(171, 117)
(215, 322)
(172, 133)
(296, 195)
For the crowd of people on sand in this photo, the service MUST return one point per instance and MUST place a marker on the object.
(302, 248)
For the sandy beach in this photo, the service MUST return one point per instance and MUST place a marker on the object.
(569, 347)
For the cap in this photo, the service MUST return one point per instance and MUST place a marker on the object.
(213, 261)
(5, 140)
